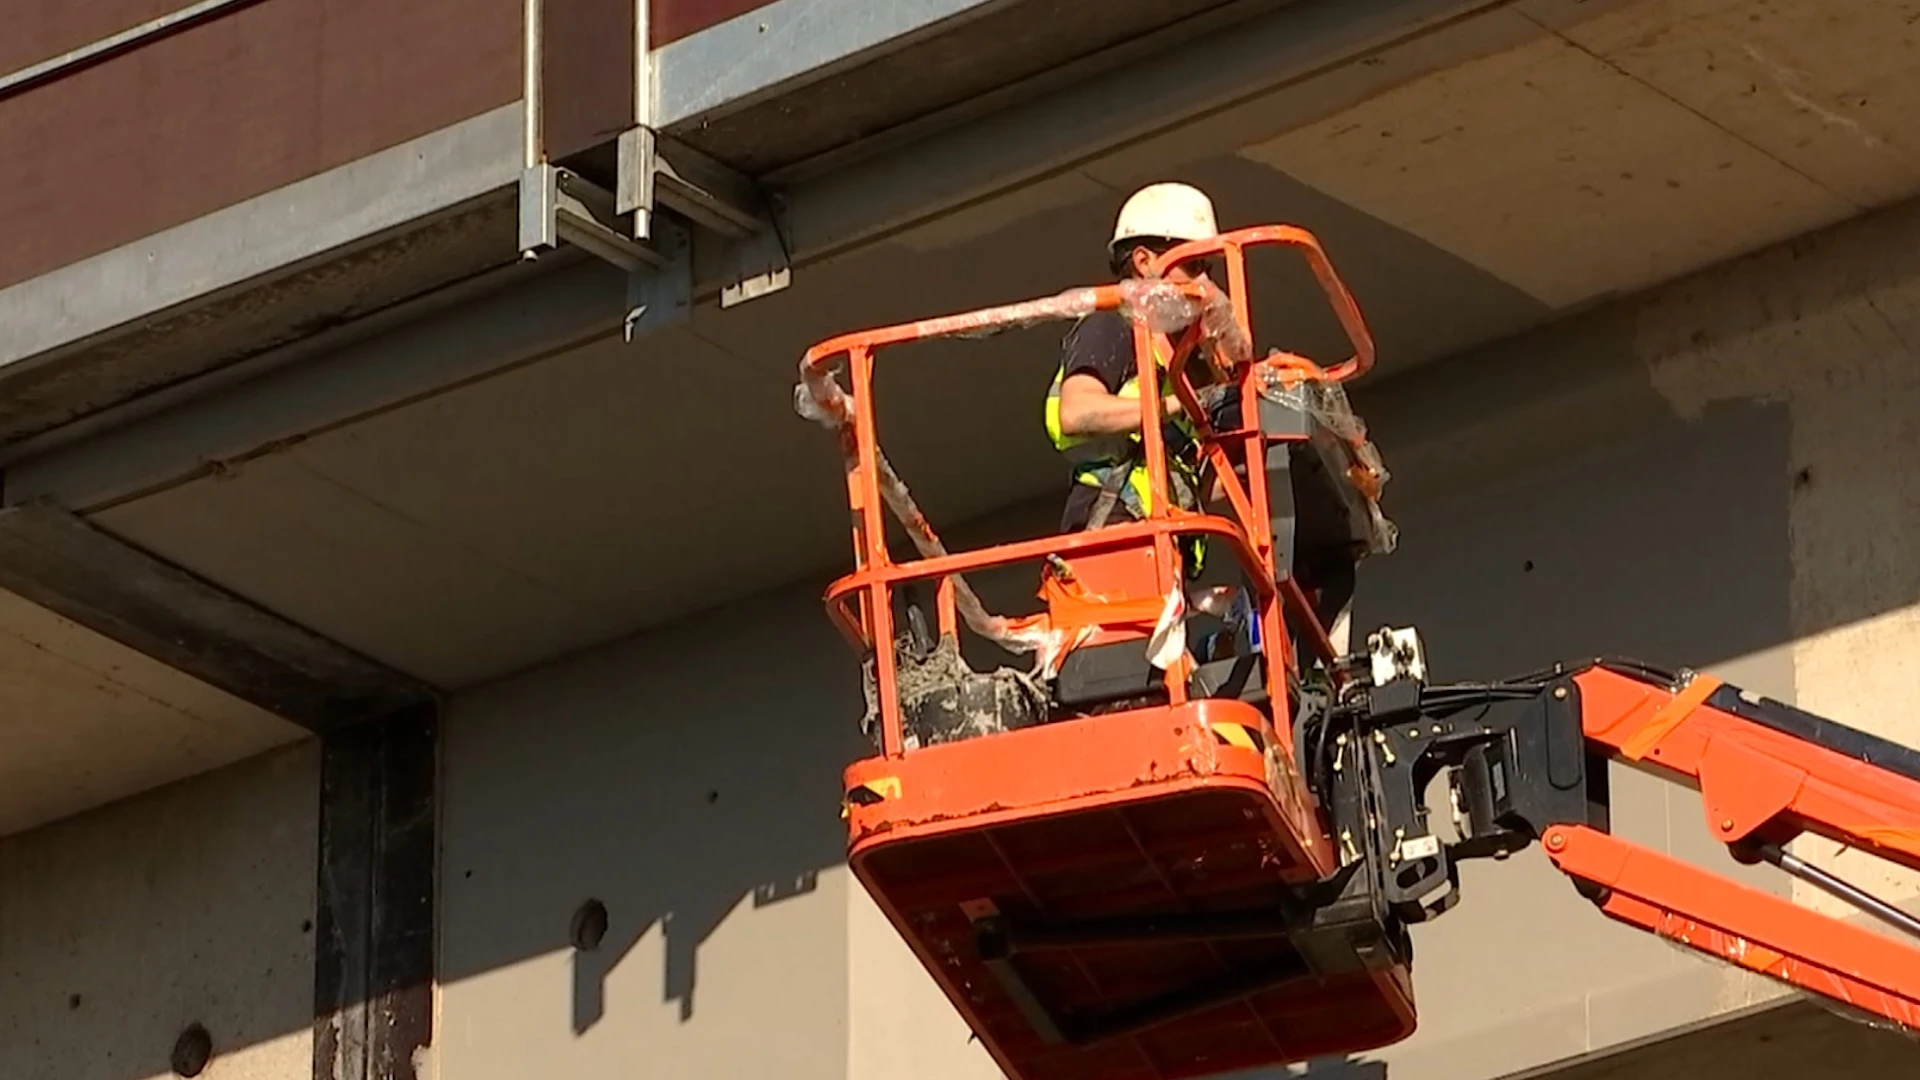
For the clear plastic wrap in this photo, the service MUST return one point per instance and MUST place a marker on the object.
(1164, 306)
(1840, 996)
(989, 322)
(1219, 326)
(1326, 401)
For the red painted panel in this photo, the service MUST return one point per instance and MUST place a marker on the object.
(233, 108)
(672, 20)
(39, 30)
(588, 73)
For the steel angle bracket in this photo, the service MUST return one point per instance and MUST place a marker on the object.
(657, 173)
(558, 207)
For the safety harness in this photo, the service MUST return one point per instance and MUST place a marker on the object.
(1116, 464)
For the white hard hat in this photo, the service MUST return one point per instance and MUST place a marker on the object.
(1178, 212)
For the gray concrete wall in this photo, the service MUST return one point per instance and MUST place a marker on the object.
(192, 904)
(689, 781)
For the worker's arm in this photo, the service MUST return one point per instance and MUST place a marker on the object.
(1088, 408)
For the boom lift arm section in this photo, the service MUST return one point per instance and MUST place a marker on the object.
(1527, 761)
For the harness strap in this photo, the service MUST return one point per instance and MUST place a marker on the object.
(1117, 478)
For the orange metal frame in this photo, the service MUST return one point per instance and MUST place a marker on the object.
(1185, 772)
(861, 602)
(1755, 782)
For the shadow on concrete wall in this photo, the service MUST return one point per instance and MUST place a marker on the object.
(1344, 1068)
(185, 910)
(1671, 548)
(668, 780)
(1348, 1067)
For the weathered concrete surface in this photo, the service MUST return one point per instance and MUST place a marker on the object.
(689, 781)
(1829, 330)
(85, 720)
(1619, 146)
(192, 904)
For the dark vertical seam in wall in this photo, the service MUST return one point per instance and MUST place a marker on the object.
(375, 909)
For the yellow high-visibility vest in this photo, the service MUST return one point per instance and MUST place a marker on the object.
(1094, 457)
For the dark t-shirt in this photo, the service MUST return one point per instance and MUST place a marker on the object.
(1100, 345)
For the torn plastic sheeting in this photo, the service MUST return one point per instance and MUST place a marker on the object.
(1168, 642)
(1291, 382)
(1163, 305)
(820, 398)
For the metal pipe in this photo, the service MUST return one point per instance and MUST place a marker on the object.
(533, 136)
(643, 96)
(93, 52)
(1840, 887)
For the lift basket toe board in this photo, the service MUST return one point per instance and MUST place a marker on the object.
(1131, 930)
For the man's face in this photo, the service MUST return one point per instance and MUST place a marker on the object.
(1180, 273)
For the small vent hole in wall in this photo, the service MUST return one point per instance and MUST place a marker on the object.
(191, 1051)
(589, 926)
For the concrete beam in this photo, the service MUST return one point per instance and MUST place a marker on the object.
(56, 560)
(273, 233)
(576, 299)
(743, 58)
(1152, 105)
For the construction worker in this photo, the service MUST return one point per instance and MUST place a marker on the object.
(1093, 407)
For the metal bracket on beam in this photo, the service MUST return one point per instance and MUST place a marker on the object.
(756, 267)
(558, 206)
(659, 297)
(657, 173)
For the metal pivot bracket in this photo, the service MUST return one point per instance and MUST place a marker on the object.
(1515, 758)
(559, 206)
(657, 173)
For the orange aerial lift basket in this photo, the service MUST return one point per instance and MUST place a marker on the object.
(1142, 857)
(1109, 858)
